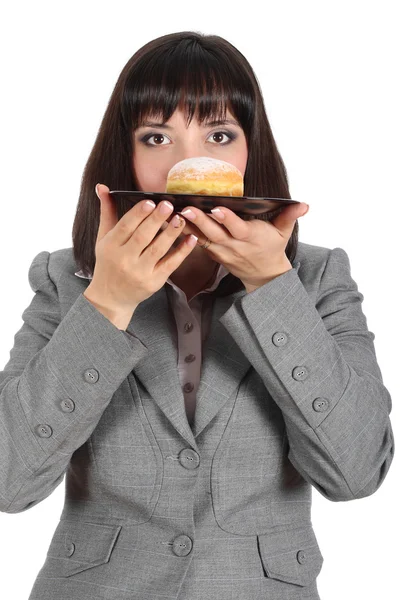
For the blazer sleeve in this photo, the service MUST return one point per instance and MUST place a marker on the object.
(61, 376)
(319, 364)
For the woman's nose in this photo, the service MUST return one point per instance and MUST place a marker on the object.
(185, 155)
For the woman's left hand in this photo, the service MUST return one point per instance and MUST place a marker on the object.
(253, 251)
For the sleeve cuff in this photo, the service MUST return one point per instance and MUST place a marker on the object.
(280, 323)
(86, 340)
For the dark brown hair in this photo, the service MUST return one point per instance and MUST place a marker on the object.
(203, 75)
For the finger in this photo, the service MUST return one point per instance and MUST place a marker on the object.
(108, 211)
(162, 244)
(189, 229)
(286, 220)
(210, 228)
(175, 257)
(237, 227)
(142, 223)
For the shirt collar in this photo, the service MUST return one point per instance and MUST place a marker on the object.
(221, 273)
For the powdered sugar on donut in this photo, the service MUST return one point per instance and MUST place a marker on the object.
(199, 167)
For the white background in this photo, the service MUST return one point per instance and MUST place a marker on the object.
(329, 77)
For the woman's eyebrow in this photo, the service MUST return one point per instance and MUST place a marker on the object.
(222, 122)
(208, 124)
(154, 124)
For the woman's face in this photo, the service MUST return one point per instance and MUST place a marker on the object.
(158, 147)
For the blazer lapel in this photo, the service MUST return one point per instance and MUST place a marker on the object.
(155, 326)
(223, 363)
(223, 366)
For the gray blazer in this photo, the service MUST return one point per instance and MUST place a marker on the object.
(291, 396)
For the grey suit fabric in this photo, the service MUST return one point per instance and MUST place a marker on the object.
(291, 396)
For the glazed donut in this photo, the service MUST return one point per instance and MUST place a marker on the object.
(205, 176)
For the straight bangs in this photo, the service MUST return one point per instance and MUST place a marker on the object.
(192, 79)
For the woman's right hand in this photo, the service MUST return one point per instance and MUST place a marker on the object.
(130, 259)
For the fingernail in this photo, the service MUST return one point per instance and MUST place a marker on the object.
(148, 206)
(177, 221)
(192, 240)
(189, 214)
(166, 207)
(97, 193)
(218, 213)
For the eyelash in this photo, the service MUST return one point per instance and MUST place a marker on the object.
(230, 135)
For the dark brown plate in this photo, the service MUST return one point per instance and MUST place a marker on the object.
(240, 205)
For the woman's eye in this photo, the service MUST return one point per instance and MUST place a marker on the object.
(218, 135)
(157, 137)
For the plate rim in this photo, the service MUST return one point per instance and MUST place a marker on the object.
(139, 192)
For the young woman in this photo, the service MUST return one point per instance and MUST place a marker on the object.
(192, 389)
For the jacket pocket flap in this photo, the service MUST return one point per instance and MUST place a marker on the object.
(77, 546)
(291, 555)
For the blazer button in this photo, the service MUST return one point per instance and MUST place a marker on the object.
(189, 458)
(43, 430)
(279, 338)
(188, 387)
(70, 549)
(320, 404)
(91, 375)
(67, 405)
(182, 545)
(301, 557)
(299, 373)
